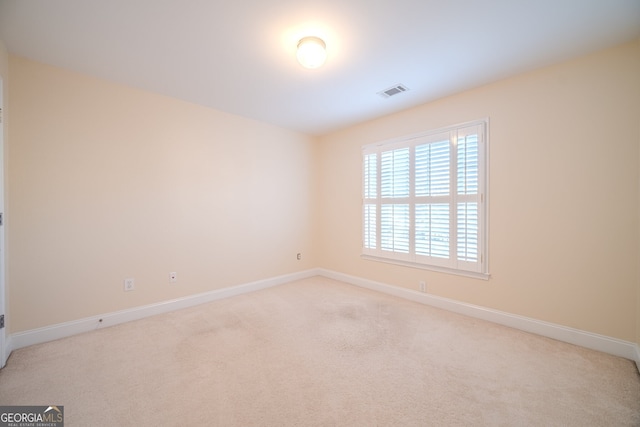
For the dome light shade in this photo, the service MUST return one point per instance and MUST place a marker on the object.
(311, 52)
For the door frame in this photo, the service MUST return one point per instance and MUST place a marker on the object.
(4, 353)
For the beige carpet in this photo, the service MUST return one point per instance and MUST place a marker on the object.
(321, 353)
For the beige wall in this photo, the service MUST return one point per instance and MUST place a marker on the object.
(108, 182)
(564, 194)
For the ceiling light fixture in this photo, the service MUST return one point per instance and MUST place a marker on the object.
(311, 52)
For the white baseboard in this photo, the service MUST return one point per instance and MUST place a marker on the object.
(590, 340)
(62, 330)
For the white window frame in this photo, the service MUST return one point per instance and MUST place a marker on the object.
(372, 201)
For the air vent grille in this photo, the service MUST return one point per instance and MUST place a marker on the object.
(394, 90)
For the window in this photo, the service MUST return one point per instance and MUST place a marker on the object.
(424, 200)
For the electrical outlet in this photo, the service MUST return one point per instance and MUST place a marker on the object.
(423, 286)
(173, 277)
(129, 284)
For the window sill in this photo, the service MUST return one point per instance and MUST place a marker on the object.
(472, 274)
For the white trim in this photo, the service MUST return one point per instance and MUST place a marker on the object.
(602, 343)
(431, 267)
(590, 340)
(8, 348)
(4, 339)
(424, 134)
(62, 330)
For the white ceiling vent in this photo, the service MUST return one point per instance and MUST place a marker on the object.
(394, 90)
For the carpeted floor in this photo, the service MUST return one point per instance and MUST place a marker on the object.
(321, 353)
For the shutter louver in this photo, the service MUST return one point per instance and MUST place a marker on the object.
(467, 164)
(394, 228)
(468, 232)
(370, 226)
(432, 230)
(394, 173)
(432, 169)
(370, 192)
(370, 176)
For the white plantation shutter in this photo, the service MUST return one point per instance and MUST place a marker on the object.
(394, 209)
(432, 230)
(468, 196)
(370, 174)
(370, 195)
(467, 232)
(432, 188)
(432, 167)
(394, 172)
(370, 230)
(424, 200)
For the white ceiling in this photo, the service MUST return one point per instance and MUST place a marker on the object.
(239, 56)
